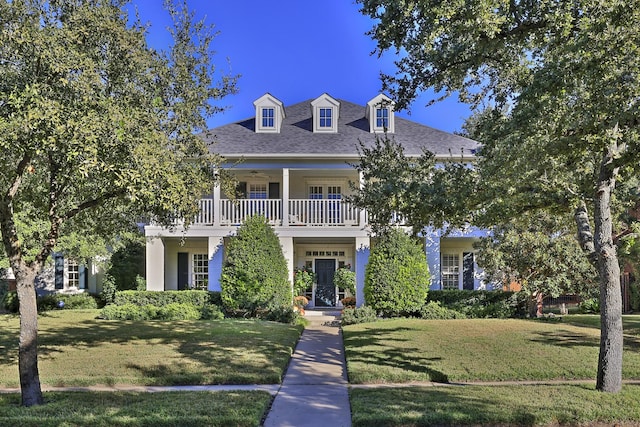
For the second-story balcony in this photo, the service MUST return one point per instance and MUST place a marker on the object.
(296, 212)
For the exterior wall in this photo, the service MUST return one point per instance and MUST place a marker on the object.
(174, 246)
(438, 241)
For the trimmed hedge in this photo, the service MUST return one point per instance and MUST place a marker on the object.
(353, 316)
(51, 302)
(162, 298)
(171, 311)
(482, 304)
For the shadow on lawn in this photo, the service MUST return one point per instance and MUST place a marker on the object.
(406, 359)
(444, 406)
(220, 346)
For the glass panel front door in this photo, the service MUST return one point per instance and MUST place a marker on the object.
(325, 289)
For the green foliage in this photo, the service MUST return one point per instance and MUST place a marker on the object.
(542, 257)
(363, 314)
(283, 314)
(434, 310)
(10, 302)
(161, 298)
(254, 276)
(396, 277)
(345, 279)
(127, 265)
(171, 311)
(303, 279)
(589, 306)
(51, 302)
(109, 289)
(482, 304)
(634, 290)
(69, 302)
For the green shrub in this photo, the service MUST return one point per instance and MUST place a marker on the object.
(212, 312)
(141, 283)
(397, 277)
(162, 298)
(283, 314)
(254, 276)
(127, 264)
(171, 311)
(481, 304)
(634, 290)
(109, 289)
(124, 312)
(10, 302)
(589, 306)
(364, 314)
(433, 310)
(215, 298)
(178, 311)
(51, 302)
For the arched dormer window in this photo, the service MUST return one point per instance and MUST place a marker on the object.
(380, 113)
(326, 112)
(269, 114)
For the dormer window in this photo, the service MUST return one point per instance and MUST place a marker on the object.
(326, 112)
(325, 117)
(267, 118)
(382, 118)
(380, 114)
(269, 114)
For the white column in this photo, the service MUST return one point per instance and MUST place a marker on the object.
(285, 197)
(155, 264)
(216, 257)
(216, 203)
(363, 213)
(363, 245)
(287, 250)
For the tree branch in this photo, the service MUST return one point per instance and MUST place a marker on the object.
(87, 204)
(22, 166)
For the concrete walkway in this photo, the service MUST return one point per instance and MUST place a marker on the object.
(314, 391)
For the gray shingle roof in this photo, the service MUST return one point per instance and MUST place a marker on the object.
(297, 138)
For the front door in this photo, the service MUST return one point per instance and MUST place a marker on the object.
(325, 289)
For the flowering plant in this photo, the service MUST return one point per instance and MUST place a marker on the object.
(303, 278)
(345, 279)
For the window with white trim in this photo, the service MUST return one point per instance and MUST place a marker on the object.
(258, 190)
(268, 115)
(200, 279)
(450, 271)
(326, 118)
(382, 118)
(73, 273)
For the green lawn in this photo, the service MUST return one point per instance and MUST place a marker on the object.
(138, 409)
(76, 349)
(487, 350)
(480, 350)
(521, 405)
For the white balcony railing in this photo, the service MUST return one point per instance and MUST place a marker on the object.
(322, 212)
(235, 212)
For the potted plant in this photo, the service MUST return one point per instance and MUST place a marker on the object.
(345, 279)
(303, 278)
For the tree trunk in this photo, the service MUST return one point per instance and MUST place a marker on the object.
(28, 345)
(611, 341)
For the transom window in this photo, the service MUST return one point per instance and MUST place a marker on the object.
(73, 273)
(326, 118)
(258, 190)
(382, 117)
(200, 271)
(315, 192)
(450, 270)
(268, 118)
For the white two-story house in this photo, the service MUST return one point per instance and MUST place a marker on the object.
(295, 169)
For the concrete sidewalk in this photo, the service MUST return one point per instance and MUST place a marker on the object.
(314, 391)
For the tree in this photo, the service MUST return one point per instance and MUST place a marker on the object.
(396, 278)
(255, 276)
(541, 256)
(559, 83)
(97, 128)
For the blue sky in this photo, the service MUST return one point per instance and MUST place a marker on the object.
(296, 50)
